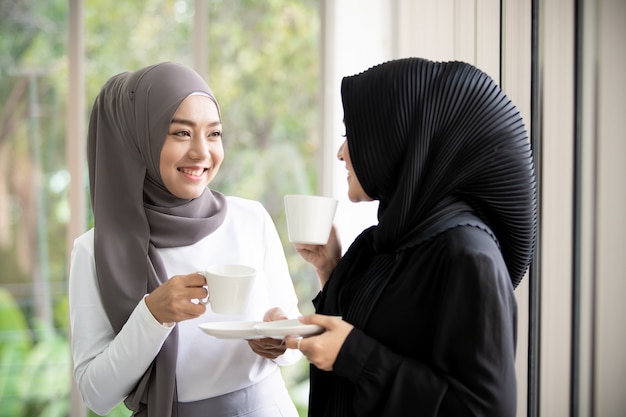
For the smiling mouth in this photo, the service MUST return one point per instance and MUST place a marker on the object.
(195, 172)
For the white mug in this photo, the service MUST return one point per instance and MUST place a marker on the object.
(309, 218)
(229, 287)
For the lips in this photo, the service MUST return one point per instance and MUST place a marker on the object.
(194, 172)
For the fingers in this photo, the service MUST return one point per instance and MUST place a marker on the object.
(195, 280)
(334, 236)
(267, 347)
(196, 285)
(302, 247)
(187, 287)
(192, 310)
(293, 342)
(176, 299)
(310, 347)
(322, 350)
(327, 322)
(274, 314)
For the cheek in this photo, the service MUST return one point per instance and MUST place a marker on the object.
(169, 156)
(164, 163)
(217, 153)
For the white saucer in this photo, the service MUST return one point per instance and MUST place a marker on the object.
(232, 329)
(279, 329)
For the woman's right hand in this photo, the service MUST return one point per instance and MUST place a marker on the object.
(323, 257)
(171, 302)
(322, 350)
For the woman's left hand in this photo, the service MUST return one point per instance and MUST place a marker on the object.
(323, 257)
(322, 350)
(267, 347)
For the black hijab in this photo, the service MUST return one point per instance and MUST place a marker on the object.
(427, 139)
(437, 144)
(133, 211)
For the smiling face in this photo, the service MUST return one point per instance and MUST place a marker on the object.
(192, 152)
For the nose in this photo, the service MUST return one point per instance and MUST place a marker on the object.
(340, 151)
(198, 149)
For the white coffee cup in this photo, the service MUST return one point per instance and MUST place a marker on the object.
(230, 288)
(309, 218)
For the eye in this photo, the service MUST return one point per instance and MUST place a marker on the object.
(181, 133)
(215, 135)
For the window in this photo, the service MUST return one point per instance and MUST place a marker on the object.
(257, 54)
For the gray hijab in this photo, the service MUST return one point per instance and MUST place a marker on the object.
(133, 211)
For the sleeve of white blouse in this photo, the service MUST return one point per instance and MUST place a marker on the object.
(281, 290)
(106, 366)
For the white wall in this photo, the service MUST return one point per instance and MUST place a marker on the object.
(609, 123)
(357, 36)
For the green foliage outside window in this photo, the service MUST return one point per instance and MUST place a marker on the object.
(263, 67)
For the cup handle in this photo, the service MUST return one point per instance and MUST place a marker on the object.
(207, 299)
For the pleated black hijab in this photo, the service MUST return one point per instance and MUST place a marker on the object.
(133, 211)
(426, 138)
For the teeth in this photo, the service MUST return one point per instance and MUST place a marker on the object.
(193, 172)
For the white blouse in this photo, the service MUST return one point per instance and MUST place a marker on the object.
(107, 367)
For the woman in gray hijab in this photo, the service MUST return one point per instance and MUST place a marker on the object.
(426, 296)
(154, 145)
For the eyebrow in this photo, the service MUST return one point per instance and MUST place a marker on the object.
(192, 123)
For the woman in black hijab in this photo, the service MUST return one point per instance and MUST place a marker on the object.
(428, 313)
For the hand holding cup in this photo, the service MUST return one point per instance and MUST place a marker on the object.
(230, 288)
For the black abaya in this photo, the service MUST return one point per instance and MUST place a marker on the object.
(440, 338)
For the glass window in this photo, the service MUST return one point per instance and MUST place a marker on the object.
(34, 355)
(262, 66)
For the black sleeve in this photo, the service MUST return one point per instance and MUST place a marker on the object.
(472, 369)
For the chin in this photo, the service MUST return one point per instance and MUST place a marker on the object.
(196, 195)
(190, 195)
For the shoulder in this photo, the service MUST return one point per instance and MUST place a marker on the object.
(85, 241)
(242, 210)
(475, 255)
(470, 244)
(467, 251)
(470, 239)
(243, 204)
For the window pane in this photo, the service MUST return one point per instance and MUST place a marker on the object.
(264, 69)
(262, 66)
(34, 354)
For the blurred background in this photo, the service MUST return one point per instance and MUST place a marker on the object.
(276, 67)
(261, 60)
